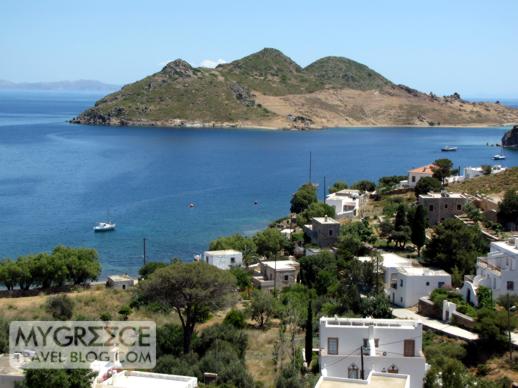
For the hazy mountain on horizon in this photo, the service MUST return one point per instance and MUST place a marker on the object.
(77, 85)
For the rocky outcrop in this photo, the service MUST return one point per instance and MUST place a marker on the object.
(510, 139)
(178, 69)
(242, 94)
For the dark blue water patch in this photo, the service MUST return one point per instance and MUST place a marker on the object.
(60, 179)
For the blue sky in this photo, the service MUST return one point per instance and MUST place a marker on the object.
(469, 46)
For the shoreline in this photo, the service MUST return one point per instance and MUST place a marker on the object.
(240, 126)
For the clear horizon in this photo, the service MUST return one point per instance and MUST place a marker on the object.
(443, 47)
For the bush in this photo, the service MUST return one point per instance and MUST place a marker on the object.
(262, 307)
(213, 336)
(105, 317)
(235, 318)
(61, 307)
(125, 312)
(169, 340)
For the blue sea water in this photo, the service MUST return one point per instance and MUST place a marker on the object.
(57, 180)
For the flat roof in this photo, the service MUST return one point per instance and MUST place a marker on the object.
(120, 278)
(282, 265)
(391, 260)
(222, 252)
(441, 195)
(127, 379)
(422, 271)
(506, 246)
(374, 381)
(325, 220)
(359, 322)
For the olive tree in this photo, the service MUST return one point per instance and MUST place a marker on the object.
(193, 290)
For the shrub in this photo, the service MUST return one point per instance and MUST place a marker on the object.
(61, 307)
(125, 312)
(235, 318)
(105, 317)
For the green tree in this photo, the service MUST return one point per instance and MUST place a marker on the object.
(426, 185)
(270, 242)
(262, 307)
(150, 267)
(243, 278)
(508, 209)
(305, 196)
(193, 290)
(61, 307)
(364, 185)
(318, 271)
(169, 340)
(400, 220)
(26, 272)
(82, 263)
(418, 227)
(455, 244)
(49, 270)
(9, 273)
(442, 170)
(316, 209)
(337, 186)
(63, 378)
(388, 182)
(376, 306)
(238, 242)
(353, 239)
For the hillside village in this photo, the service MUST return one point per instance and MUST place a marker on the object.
(409, 282)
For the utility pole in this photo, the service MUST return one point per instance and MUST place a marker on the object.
(509, 310)
(145, 239)
(275, 277)
(362, 371)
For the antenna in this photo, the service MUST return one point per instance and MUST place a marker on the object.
(324, 189)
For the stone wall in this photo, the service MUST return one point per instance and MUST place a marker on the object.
(428, 309)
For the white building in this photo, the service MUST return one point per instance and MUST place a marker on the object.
(275, 274)
(224, 259)
(347, 203)
(497, 271)
(408, 284)
(416, 174)
(391, 348)
(134, 379)
(473, 172)
(406, 280)
(120, 282)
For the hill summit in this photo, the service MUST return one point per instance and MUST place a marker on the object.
(269, 89)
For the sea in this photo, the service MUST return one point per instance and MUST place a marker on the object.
(57, 180)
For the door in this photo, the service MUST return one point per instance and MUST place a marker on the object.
(409, 348)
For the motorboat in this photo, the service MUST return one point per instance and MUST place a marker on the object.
(104, 226)
(449, 148)
(499, 157)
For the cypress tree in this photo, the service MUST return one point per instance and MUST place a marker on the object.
(401, 220)
(418, 236)
(309, 335)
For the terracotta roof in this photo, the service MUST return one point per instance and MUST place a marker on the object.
(428, 169)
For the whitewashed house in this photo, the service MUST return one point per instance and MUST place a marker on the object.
(133, 379)
(415, 174)
(497, 271)
(372, 352)
(120, 282)
(406, 280)
(224, 259)
(408, 284)
(277, 274)
(347, 203)
(473, 172)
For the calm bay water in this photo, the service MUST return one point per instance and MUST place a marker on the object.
(57, 180)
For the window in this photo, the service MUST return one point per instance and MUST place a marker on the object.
(376, 342)
(401, 299)
(430, 208)
(510, 285)
(330, 232)
(440, 284)
(446, 206)
(365, 342)
(353, 372)
(427, 283)
(332, 345)
(413, 178)
(393, 369)
(286, 277)
(400, 282)
(409, 348)
(459, 207)
(232, 260)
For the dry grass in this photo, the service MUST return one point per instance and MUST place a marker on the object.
(489, 184)
(259, 355)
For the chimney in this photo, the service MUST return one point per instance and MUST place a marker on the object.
(325, 218)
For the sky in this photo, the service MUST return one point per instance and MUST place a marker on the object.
(465, 46)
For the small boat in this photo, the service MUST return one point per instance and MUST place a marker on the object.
(104, 226)
(191, 205)
(449, 148)
(499, 157)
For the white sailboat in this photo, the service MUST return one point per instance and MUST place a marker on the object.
(105, 226)
(499, 156)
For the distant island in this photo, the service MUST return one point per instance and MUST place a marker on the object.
(269, 90)
(79, 85)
